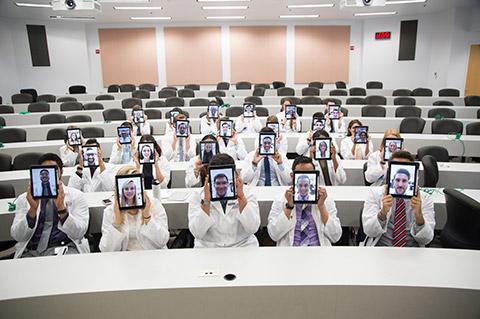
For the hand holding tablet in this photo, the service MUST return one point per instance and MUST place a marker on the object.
(390, 146)
(361, 135)
(290, 112)
(129, 191)
(43, 181)
(402, 179)
(222, 182)
(124, 136)
(138, 116)
(74, 136)
(182, 128)
(323, 148)
(90, 156)
(226, 128)
(248, 110)
(146, 153)
(267, 143)
(305, 186)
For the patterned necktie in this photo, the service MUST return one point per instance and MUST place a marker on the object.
(126, 154)
(268, 176)
(46, 191)
(46, 207)
(400, 224)
(304, 240)
(181, 152)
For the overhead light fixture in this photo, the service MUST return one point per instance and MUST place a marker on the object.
(225, 18)
(138, 8)
(303, 6)
(71, 18)
(299, 16)
(33, 5)
(150, 18)
(225, 7)
(386, 13)
(405, 1)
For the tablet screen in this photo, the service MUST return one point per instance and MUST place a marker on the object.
(90, 156)
(402, 177)
(305, 187)
(173, 114)
(226, 128)
(248, 109)
(212, 111)
(124, 135)
(290, 112)
(323, 148)
(318, 124)
(361, 135)
(390, 146)
(43, 181)
(182, 128)
(138, 116)
(267, 143)
(146, 153)
(74, 136)
(274, 126)
(334, 111)
(130, 191)
(208, 149)
(222, 182)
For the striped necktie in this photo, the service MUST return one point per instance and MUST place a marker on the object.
(304, 240)
(400, 224)
(268, 175)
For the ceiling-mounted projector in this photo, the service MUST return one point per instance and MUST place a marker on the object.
(362, 3)
(76, 5)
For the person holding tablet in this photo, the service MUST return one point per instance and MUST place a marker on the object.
(330, 168)
(209, 122)
(93, 174)
(156, 171)
(248, 122)
(196, 170)
(70, 153)
(282, 142)
(179, 144)
(140, 120)
(224, 213)
(51, 221)
(232, 145)
(351, 150)
(266, 170)
(398, 220)
(288, 124)
(377, 165)
(133, 222)
(297, 224)
(122, 151)
(334, 121)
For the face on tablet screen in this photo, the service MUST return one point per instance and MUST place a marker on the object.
(130, 191)
(213, 111)
(248, 109)
(226, 128)
(318, 124)
(322, 148)
(124, 135)
(305, 187)
(44, 181)
(334, 112)
(207, 151)
(391, 146)
(222, 182)
(74, 137)
(182, 128)
(361, 135)
(90, 156)
(138, 116)
(274, 126)
(290, 111)
(267, 144)
(146, 153)
(403, 179)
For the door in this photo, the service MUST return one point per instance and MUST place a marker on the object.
(472, 86)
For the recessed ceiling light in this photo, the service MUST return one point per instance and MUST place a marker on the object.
(225, 18)
(405, 1)
(150, 18)
(299, 16)
(138, 8)
(386, 13)
(225, 7)
(319, 5)
(33, 5)
(71, 18)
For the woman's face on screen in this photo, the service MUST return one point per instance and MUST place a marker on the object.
(129, 190)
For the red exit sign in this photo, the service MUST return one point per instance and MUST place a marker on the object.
(383, 35)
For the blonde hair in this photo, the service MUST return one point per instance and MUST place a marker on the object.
(125, 170)
(272, 118)
(390, 131)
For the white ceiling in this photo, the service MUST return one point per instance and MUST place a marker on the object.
(189, 11)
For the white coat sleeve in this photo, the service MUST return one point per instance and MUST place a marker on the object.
(340, 174)
(257, 124)
(371, 207)
(76, 224)
(105, 181)
(239, 124)
(250, 216)
(190, 179)
(113, 239)
(374, 170)
(155, 235)
(76, 181)
(198, 221)
(68, 157)
(333, 228)
(145, 128)
(249, 171)
(115, 155)
(166, 171)
(20, 230)
(284, 174)
(167, 150)
(192, 151)
(302, 144)
(279, 225)
(424, 234)
(346, 149)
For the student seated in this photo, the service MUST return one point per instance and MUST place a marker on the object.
(232, 146)
(225, 223)
(305, 140)
(70, 154)
(351, 150)
(141, 128)
(42, 226)
(208, 124)
(331, 170)
(292, 224)
(123, 153)
(196, 170)
(93, 178)
(288, 125)
(248, 124)
(334, 126)
(376, 166)
(266, 170)
(134, 229)
(158, 173)
(398, 222)
(282, 140)
(178, 149)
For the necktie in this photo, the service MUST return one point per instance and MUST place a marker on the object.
(224, 205)
(400, 224)
(148, 175)
(268, 176)
(325, 173)
(304, 240)
(46, 191)
(126, 154)
(225, 140)
(46, 207)
(332, 126)
(181, 152)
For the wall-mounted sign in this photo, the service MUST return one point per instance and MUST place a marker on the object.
(385, 35)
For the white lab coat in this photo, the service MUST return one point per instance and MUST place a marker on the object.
(251, 174)
(171, 154)
(164, 168)
(75, 226)
(282, 230)
(286, 127)
(69, 158)
(303, 148)
(154, 235)
(99, 182)
(339, 126)
(206, 126)
(375, 173)
(237, 152)
(248, 125)
(145, 128)
(190, 179)
(116, 154)
(346, 149)
(337, 177)
(373, 228)
(229, 229)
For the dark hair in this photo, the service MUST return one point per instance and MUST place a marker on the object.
(222, 159)
(267, 129)
(92, 141)
(205, 138)
(352, 122)
(319, 134)
(127, 124)
(152, 154)
(302, 160)
(219, 100)
(221, 175)
(318, 115)
(403, 155)
(285, 99)
(403, 171)
(150, 139)
(51, 157)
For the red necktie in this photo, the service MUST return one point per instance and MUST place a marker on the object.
(400, 224)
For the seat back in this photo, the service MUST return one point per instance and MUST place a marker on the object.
(127, 87)
(356, 101)
(199, 102)
(38, 107)
(402, 92)
(430, 171)
(25, 160)
(422, 92)
(6, 190)
(175, 102)
(441, 112)
(92, 132)
(442, 103)
(414, 125)
(278, 84)
(447, 126)
(261, 111)
(12, 135)
(66, 99)
(234, 111)
(193, 87)
(376, 100)
(253, 99)
(310, 91)
(141, 94)
(473, 128)
(338, 93)
(449, 92)
(266, 86)
(78, 118)
(215, 93)
(408, 111)
(472, 100)
(243, 85)
(316, 84)
(285, 91)
(52, 119)
(223, 86)
(113, 88)
(374, 85)
(6, 109)
(56, 134)
(293, 100)
(374, 111)
(155, 103)
(93, 106)
(356, 91)
(114, 115)
(404, 100)
(439, 153)
(153, 114)
(186, 93)
(49, 98)
(331, 99)
(258, 91)
(341, 85)
(32, 92)
(71, 106)
(148, 87)
(166, 93)
(130, 102)
(77, 89)
(5, 162)
(104, 97)
(311, 100)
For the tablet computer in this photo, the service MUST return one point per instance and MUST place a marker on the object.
(90, 156)
(290, 111)
(212, 110)
(129, 191)
(305, 187)
(146, 153)
(138, 116)
(248, 110)
(267, 143)
(390, 146)
(173, 114)
(323, 148)
(208, 149)
(361, 135)
(226, 128)
(275, 126)
(74, 136)
(222, 182)
(318, 124)
(334, 111)
(124, 136)
(44, 181)
(182, 128)
(402, 179)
